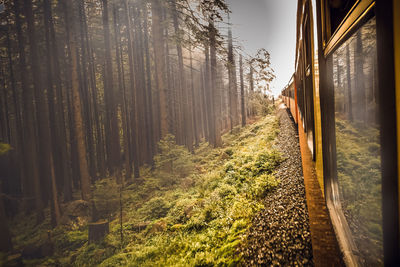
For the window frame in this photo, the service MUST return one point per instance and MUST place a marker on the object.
(327, 43)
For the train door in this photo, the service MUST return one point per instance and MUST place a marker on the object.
(358, 124)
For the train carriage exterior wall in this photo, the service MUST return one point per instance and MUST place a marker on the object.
(344, 96)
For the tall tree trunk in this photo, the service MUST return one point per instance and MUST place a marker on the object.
(87, 105)
(141, 88)
(174, 126)
(61, 148)
(204, 106)
(30, 148)
(251, 81)
(44, 136)
(232, 92)
(73, 150)
(17, 109)
(349, 93)
(53, 134)
(339, 78)
(242, 104)
(188, 128)
(194, 104)
(251, 78)
(110, 100)
(158, 44)
(122, 95)
(216, 92)
(359, 74)
(149, 87)
(209, 98)
(135, 154)
(78, 126)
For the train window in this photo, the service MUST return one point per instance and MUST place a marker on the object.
(338, 10)
(357, 140)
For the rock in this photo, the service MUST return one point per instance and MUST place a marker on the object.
(188, 210)
(158, 226)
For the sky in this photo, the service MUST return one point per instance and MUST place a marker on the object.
(269, 24)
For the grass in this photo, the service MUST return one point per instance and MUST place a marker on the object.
(191, 210)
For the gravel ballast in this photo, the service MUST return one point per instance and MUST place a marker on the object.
(280, 233)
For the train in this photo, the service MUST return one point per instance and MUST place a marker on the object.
(344, 98)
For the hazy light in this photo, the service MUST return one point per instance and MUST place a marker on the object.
(269, 24)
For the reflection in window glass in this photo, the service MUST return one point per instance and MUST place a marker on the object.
(357, 140)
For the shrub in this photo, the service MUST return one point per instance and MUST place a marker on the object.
(106, 197)
(155, 208)
(173, 159)
(262, 185)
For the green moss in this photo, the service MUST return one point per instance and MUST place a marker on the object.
(71, 240)
(190, 210)
(155, 208)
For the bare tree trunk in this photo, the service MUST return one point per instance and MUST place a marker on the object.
(205, 110)
(17, 109)
(232, 92)
(359, 80)
(77, 113)
(135, 154)
(209, 99)
(140, 88)
(53, 134)
(87, 105)
(242, 104)
(61, 147)
(185, 94)
(149, 87)
(251, 78)
(349, 96)
(110, 100)
(173, 122)
(28, 118)
(216, 92)
(122, 95)
(158, 44)
(194, 104)
(251, 81)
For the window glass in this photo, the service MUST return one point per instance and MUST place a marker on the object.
(357, 140)
(338, 9)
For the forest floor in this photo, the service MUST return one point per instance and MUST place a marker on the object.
(200, 209)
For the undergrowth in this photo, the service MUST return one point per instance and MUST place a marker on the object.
(190, 210)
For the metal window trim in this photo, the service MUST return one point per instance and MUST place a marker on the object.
(360, 9)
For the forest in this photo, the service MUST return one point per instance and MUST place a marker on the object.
(118, 119)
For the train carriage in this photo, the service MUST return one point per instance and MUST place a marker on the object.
(345, 99)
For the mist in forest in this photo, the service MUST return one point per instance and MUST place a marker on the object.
(112, 110)
(269, 24)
